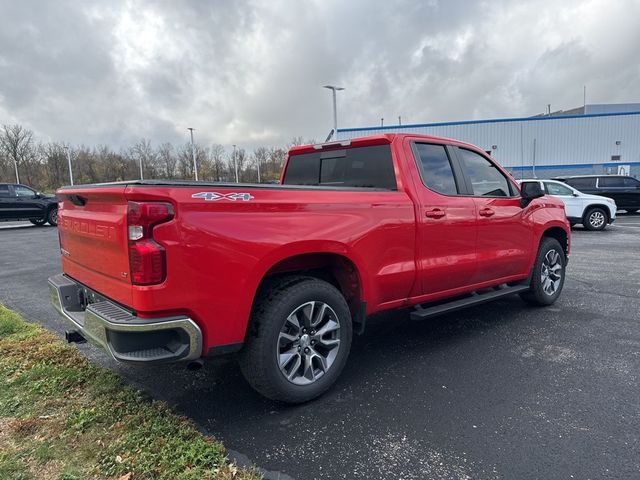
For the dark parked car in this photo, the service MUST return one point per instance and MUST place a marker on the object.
(624, 190)
(19, 202)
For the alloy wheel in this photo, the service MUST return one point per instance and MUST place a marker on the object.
(596, 219)
(308, 342)
(551, 274)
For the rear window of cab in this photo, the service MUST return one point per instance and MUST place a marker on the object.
(360, 167)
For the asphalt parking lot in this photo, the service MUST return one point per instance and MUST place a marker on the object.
(501, 390)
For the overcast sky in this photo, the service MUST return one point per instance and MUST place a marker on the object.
(251, 73)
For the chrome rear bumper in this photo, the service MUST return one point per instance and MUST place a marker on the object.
(127, 337)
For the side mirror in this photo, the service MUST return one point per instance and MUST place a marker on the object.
(529, 191)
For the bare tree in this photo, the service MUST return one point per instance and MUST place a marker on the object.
(217, 154)
(54, 157)
(44, 166)
(167, 160)
(185, 162)
(17, 144)
(261, 160)
(145, 156)
(239, 158)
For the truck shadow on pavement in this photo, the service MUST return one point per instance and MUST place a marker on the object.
(393, 352)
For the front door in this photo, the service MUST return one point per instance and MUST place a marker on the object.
(573, 204)
(27, 202)
(505, 236)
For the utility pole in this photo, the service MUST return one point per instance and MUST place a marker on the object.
(235, 163)
(400, 120)
(193, 155)
(382, 122)
(258, 166)
(334, 89)
(69, 162)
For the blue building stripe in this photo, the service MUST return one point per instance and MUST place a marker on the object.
(494, 120)
(572, 166)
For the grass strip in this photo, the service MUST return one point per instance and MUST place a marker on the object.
(65, 418)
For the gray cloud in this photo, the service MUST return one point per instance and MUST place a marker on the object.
(251, 72)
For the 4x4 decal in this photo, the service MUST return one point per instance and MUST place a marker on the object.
(214, 196)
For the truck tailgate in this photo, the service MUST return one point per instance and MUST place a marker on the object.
(92, 224)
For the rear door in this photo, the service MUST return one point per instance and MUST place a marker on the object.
(7, 203)
(446, 223)
(505, 237)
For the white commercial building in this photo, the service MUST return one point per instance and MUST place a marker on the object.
(598, 139)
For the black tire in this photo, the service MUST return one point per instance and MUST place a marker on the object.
(52, 217)
(595, 219)
(38, 222)
(537, 295)
(260, 356)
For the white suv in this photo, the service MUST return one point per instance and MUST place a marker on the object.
(592, 211)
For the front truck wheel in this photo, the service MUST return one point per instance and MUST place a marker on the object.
(548, 274)
(298, 340)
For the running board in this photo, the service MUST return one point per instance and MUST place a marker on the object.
(476, 298)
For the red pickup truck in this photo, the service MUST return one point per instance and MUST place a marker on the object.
(165, 271)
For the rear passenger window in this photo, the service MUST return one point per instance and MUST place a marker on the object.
(370, 167)
(486, 179)
(435, 168)
(4, 190)
(611, 182)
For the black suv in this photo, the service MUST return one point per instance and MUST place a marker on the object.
(624, 190)
(18, 202)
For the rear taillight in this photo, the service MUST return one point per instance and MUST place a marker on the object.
(146, 258)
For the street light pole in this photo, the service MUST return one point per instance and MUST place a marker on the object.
(235, 163)
(334, 89)
(69, 162)
(15, 164)
(193, 155)
(140, 162)
(258, 165)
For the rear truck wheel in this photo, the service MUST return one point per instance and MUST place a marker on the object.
(548, 274)
(595, 219)
(52, 217)
(38, 222)
(298, 340)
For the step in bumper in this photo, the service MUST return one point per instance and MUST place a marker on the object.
(127, 337)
